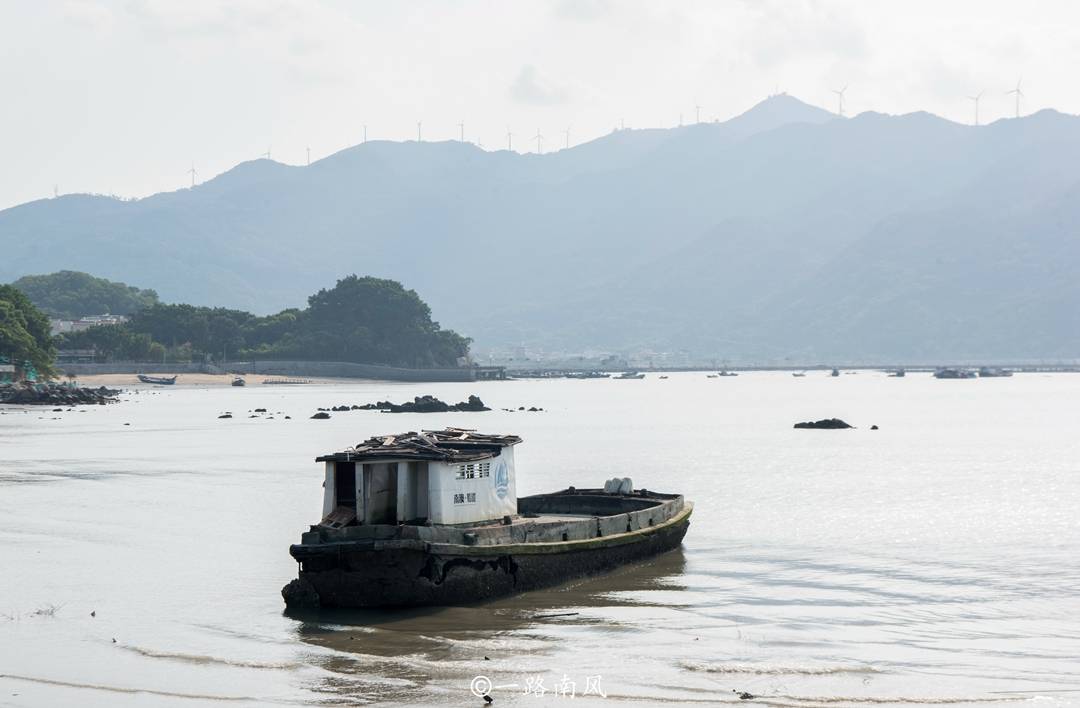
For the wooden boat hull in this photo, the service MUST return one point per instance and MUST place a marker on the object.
(404, 572)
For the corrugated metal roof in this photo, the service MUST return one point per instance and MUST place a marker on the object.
(449, 445)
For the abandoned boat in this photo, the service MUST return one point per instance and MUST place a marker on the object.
(433, 518)
(157, 380)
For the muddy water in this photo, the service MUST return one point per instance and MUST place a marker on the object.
(931, 561)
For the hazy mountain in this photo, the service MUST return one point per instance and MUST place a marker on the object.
(782, 232)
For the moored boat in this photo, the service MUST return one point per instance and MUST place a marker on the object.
(157, 380)
(630, 375)
(239, 381)
(433, 518)
(951, 373)
(989, 372)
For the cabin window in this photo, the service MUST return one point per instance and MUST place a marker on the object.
(474, 470)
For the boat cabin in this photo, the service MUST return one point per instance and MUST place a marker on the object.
(448, 477)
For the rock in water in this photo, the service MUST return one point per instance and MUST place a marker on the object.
(321, 415)
(824, 424)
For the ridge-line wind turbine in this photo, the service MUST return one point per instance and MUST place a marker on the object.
(462, 126)
(567, 132)
(840, 100)
(697, 113)
(192, 173)
(539, 142)
(975, 99)
(309, 156)
(1018, 93)
(418, 138)
(509, 140)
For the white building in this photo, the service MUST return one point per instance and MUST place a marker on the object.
(451, 476)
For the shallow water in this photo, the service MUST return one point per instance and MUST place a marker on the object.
(932, 561)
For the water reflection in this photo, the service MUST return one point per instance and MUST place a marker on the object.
(402, 654)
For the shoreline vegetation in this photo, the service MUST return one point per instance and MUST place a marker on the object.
(361, 320)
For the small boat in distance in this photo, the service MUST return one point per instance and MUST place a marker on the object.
(798, 374)
(630, 375)
(725, 372)
(952, 373)
(898, 374)
(239, 381)
(587, 375)
(835, 372)
(988, 372)
(433, 518)
(157, 380)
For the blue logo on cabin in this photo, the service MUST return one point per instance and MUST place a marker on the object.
(502, 480)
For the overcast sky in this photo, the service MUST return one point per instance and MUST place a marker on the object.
(122, 96)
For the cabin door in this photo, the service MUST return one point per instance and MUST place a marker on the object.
(345, 484)
(381, 482)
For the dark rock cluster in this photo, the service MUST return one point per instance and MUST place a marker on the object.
(419, 404)
(55, 394)
(825, 424)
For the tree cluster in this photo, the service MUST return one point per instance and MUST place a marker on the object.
(363, 320)
(70, 295)
(24, 332)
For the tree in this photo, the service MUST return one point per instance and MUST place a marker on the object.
(69, 294)
(24, 332)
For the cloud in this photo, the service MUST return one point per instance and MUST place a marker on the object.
(582, 10)
(87, 14)
(532, 88)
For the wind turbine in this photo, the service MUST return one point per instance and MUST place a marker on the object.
(539, 142)
(1018, 93)
(365, 132)
(462, 126)
(840, 99)
(55, 191)
(192, 173)
(567, 132)
(509, 139)
(697, 114)
(309, 156)
(975, 99)
(418, 139)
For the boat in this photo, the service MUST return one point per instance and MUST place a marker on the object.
(587, 375)
(951, 373)
(433, 518)
(712, 376)
(835, 372)
(898, 374)
(725, 372)
(157, 380)
(630, 375)
(798, 374)
(239, 381)
(285, 382)
(988, 372)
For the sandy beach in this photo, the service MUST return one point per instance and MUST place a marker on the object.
(126, 380)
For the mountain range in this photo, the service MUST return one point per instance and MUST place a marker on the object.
(784, 233)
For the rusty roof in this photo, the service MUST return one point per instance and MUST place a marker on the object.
(448, 445)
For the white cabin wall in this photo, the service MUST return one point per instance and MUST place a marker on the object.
(329, 492)
(493, 499)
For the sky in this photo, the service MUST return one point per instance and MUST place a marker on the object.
(125, 97)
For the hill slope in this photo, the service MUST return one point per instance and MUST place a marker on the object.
(782, 232)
